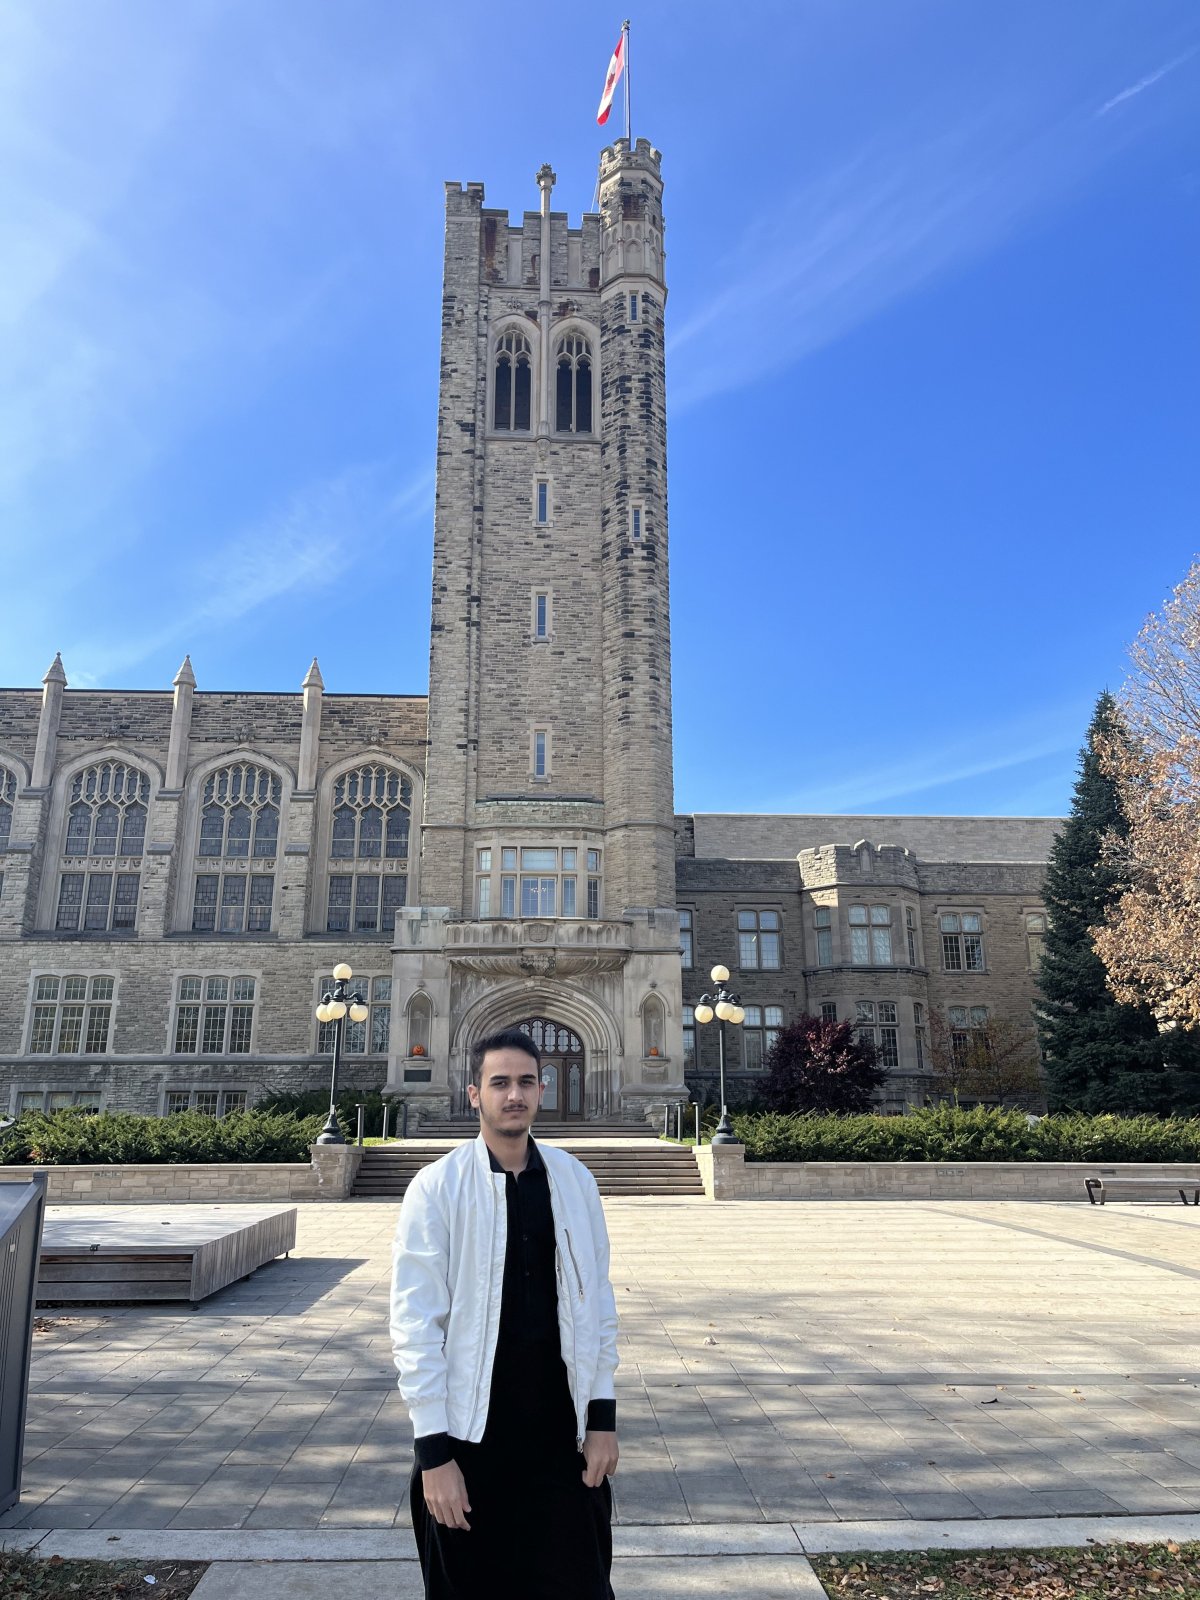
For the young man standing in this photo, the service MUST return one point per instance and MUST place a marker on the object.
(504, 1330)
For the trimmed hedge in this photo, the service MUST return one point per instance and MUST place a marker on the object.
(120, 1138)
(943, 1133)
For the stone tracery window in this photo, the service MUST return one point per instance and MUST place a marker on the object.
(513, 376)
(573, 385)
(239, 825)
(106, 825)
(368, 874)
(8, 795)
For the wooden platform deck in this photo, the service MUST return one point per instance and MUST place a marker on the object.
(126, 1254)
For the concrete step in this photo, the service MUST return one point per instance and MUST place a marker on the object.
(647, 1169)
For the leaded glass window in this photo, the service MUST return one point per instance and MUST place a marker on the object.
(239, 816)
(573, 385)
(8, 796)
(214, 1016)
(758, 939)
(106, 813)
(962, 941)
(870, 936)
(513, 400)
(372, 811)
(71, 1015)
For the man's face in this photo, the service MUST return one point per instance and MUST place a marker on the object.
(509, 1092)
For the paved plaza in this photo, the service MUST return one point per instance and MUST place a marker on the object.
(783, 1364)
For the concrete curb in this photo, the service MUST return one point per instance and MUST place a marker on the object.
(630, 1542)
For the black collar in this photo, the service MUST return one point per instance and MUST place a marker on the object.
(534, 1163)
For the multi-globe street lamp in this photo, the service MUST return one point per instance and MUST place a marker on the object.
(726, 1006)
(333, 1008)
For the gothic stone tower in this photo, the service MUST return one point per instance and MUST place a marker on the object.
(547, 846)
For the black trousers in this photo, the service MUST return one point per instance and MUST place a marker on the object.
(537, 1533)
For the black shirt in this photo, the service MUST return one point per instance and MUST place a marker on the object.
(529, 1299)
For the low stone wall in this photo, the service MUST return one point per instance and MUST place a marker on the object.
(727, 1175)
(328, 1176)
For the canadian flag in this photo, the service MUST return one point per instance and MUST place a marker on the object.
(615, 68)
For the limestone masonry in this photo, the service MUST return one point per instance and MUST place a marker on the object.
(181, 871)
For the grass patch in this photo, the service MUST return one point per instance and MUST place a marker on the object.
(24, 1576)
(1093, 1572)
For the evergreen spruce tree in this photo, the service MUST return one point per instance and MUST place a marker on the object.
(1100, 1056)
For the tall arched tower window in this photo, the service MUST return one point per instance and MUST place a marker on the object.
(573, 392)
(239, 839)
(106, 827)
(369, 841)
(513, 383)
(8, 795)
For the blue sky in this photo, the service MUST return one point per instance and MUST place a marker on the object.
(934, 336)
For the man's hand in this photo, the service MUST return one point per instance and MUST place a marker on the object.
(600, 1453)
(446, 1494)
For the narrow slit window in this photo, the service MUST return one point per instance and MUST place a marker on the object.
(541, 615)
(540, 752)
(633, 308)
(542, 501)
(636, 519)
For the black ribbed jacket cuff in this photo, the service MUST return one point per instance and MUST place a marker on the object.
(602, 1416)
(433, 1450)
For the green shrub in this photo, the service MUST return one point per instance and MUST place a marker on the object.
(944, 1133)
(119, 1138)
(315, 1103)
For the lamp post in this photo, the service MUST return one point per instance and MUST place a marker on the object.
(726, 1007)
(333, 1008)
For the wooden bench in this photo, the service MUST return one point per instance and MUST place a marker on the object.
(129, 1254)
(1102, 1187)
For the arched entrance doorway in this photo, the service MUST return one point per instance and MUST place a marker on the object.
(562, 1067)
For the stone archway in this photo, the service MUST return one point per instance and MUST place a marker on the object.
(508, 1005)
(564, 1067)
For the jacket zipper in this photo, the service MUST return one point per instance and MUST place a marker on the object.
(574, 1263)
(487, 1311)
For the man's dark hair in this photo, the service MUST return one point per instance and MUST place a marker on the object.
(506, 1039)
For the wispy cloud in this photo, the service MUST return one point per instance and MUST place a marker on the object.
(1143, 84)
(293, 549)
(1048, 732)
(915, 202)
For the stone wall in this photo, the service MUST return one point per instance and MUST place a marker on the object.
(746, 836)
(329, 1176)
(728, 1176)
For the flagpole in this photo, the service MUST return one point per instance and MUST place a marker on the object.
(625, 31)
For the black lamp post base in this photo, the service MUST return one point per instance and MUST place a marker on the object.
(723, 1133)
(331, 1133)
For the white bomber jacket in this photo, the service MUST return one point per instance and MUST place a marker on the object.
(447, 1278)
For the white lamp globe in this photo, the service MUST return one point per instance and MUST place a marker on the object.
(719, 974)
(737, 1014)
(342, 973)
(703, 1013)
(359, 1013)
(336, 1008)
(724, 1010)
(323, 1013)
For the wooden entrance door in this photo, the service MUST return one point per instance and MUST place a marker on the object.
(562, 1068)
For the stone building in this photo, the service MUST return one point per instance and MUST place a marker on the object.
(181, 870)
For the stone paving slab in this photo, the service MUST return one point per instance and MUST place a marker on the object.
(816, 1362)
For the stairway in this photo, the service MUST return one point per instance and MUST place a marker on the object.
(622, 1166)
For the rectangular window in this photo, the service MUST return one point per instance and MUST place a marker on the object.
(758, 939)
(221, 1022)
(395, 898)
(125, 902)
(71, 1016)
(508, 896)
(542, 511)
(340, 890)
(687, 955)
(366, 904)
(541, 615)
(206, 1102)
(539, 860)
(870, 936)
(508, 858)
(483, 897)
(919, 1033)
(177, 1100)
(633, 308)
(538, 897)
(635, 521)
(102, 902)
(57, 1100)
(689, 1037)
(910, 929)
(541, 758)
(232, 918)
(828, 1010)
(568, 896)
(962, 941)
(759, 1032)
(593, 892)
(236, 902)
(823, 923)
(1035, 937)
